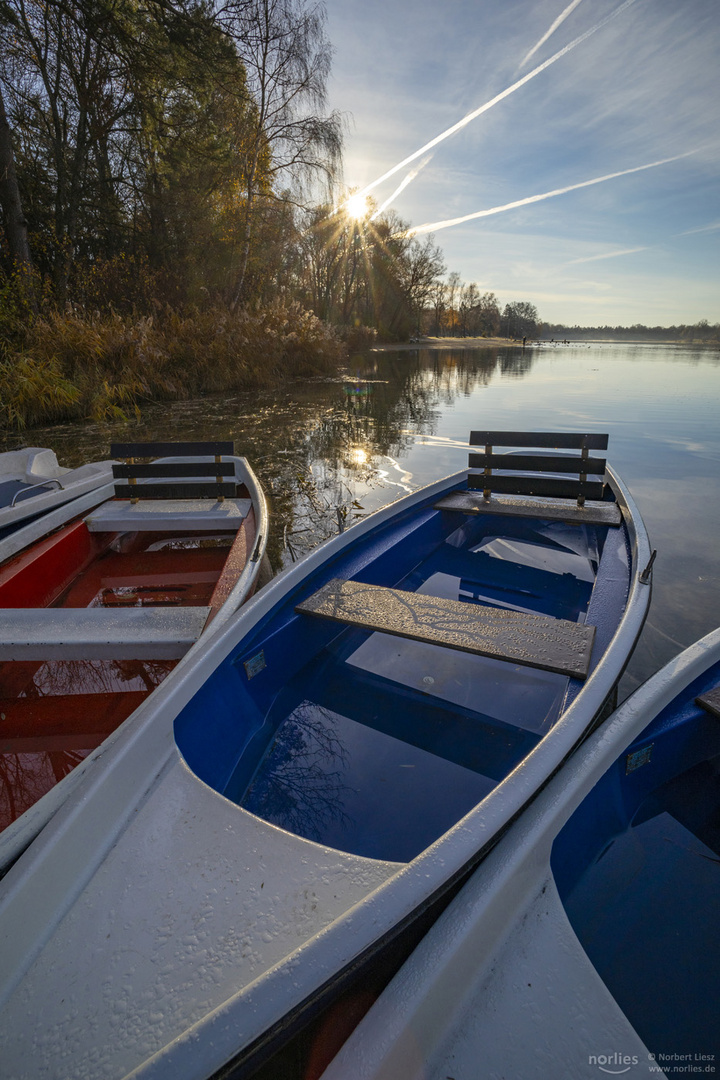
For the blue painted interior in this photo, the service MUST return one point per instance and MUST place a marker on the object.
(376, 744)
(9, 489)
(638, 870)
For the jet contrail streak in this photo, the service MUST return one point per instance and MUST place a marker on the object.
(608, 255)
(401, 187)
(560, 19)
(435, 226)
(701, 229)
(499, 97)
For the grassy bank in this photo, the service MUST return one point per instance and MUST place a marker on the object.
(72, 365)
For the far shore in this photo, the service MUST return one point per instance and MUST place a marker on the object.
(493, 342)
(445, 343)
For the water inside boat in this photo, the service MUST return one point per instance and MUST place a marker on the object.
(53, 713)
(638, 871)
(377, 744)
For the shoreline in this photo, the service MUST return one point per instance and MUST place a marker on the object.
(440, 343)
(445, 343)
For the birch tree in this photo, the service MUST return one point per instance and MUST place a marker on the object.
(287, 58)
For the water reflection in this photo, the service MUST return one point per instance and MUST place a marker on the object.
(53, 713)
(300, 785)
(330, 451)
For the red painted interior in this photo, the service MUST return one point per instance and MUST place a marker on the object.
(36, 577)
(52, 714)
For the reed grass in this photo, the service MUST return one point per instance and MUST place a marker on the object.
(73, 364)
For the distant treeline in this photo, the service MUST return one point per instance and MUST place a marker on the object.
(700, 332)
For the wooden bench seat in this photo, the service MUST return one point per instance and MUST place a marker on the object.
(592, 513)
(532, 640)
(208, 463)
(141, 633)
(710, 701)
(523, 485)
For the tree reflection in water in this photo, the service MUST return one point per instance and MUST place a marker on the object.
(53, 713)
(303, 438)
(299, 785)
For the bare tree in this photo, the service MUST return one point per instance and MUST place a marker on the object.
(287, 57)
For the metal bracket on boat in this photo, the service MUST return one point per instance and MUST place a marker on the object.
(647, 572)
(24, 491)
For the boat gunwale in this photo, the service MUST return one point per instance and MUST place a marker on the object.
(145, 747)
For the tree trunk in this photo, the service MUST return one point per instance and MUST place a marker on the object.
(15, 223)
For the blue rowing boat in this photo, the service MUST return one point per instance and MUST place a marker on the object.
(312, 783)
(587, 943)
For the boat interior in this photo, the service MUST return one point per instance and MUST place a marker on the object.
(637, 867)
(376, 742)
(56, 709)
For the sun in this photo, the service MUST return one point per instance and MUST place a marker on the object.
(357, 206)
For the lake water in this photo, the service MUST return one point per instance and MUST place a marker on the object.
(328, 451)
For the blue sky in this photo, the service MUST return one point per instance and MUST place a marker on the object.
(644, 87)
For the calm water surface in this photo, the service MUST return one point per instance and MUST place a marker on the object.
(330, 451)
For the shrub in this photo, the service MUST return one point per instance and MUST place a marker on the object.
(73, 364)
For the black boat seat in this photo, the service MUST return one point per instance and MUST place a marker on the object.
(532, 640)
(142, 633)
(142, 504)
(523, 486)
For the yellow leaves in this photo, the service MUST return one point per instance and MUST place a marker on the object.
(32, 390)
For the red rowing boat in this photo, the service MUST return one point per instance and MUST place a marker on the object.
(95, 614)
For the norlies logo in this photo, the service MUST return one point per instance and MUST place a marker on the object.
(614, 1064)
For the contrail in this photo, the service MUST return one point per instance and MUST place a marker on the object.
(499, 97)
(401, 187)
(560, 19)
(435, 226)
(608, 255)
(701, 229)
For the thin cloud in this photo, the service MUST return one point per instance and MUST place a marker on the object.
(499, 97)
(436, 226)
(558, 22)
(607, 255)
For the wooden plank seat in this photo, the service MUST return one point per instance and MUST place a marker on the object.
(710, 701)
(142, 633)
(523, 485)
(532, 640)
(180, 504)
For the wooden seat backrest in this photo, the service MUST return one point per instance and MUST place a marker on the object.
(137, 464)
(514, 478)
